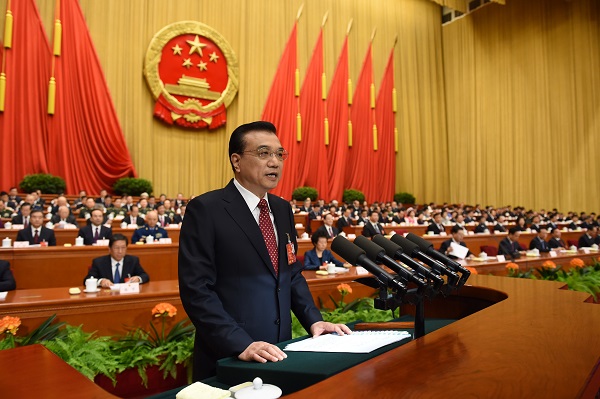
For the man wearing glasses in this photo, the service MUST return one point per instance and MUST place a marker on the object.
(238, 274)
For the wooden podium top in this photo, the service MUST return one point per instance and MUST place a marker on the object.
(541, 341)
(34, 371)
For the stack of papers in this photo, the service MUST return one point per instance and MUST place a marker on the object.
(357, 342)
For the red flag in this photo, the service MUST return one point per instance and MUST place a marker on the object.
(23, 125)
(337, 104)
(313, 169)
(360, 160)
(86, 146)
(282, 109)
(385, 157)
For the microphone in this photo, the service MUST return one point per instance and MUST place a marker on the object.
(427, 247)
(394, 251)
(377, 254)
(413, 250)
(357, 256)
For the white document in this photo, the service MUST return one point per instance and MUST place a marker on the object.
(458, 250)
(357, 342)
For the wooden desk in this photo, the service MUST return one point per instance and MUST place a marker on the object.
(34, 371)
(107, 312)
(67, 266)
(540, 341)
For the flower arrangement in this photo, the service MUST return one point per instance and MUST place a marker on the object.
(344, 289)
(549, 265)
(576, 262)
(472, 270)
(512, 266)
(8, 327)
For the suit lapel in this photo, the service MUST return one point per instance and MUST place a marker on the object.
(281, 213)
(237, 208)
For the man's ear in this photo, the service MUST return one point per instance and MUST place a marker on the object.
(235, 161)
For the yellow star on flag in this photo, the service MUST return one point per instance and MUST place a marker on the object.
(176, 50)
(187, 63)
(214, 57)
(202, 66)
(196, 46)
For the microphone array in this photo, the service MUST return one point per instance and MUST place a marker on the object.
(419, 266)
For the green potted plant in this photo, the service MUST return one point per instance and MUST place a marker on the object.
(132, 186)
(46, 183)
(302, 193)
(405, 198)
(350, 195)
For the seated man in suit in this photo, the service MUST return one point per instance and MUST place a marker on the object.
(178, 219)
(481, 228)
(556, 242)
(14, 200)
(150, 229)
(372, 227)
(117, 267)
(436, 225)
(316, 257)
(61, 200)
(539, 241)
(509, 246)
(23, 216)
(134, 217)
(458, 235)
(589, 238)
(7, 280)
(345, 220)
(328, 229)
(306, 206)
(535, 223)
(62, 217)
(36, 233)
(499, 226)
(163, 219)
(316, 212)
(95, 230)
(85, 212)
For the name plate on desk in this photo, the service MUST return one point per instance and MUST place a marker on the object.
(552, 254)
(129, 288)
(102, 243)
(501, 258)
(165, 241)
(21, 244)
(585, 250)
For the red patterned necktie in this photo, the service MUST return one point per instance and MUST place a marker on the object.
(36, 237)
(266, 228)
(97, 235)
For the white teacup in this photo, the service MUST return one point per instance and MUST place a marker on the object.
(91, 284)
(330, 268)
(149, 240)
(6, 243)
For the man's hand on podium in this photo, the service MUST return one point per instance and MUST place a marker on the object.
(321, 327)
(262, 352)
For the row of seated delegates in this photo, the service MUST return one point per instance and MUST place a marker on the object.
(7, 280)
(117, 267)
(319, 256)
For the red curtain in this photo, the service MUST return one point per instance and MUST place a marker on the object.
(313, 155)
(23, 124)
(360, 163)
(281, 109)
(86, 143)
(337, 107)
(385, 157)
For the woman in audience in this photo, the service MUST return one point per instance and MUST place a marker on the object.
(319, 255)
(411, 219)
(521, 223)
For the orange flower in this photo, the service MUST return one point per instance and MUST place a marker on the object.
(9, 325)
(472, 270)
(549, 264)
(576, 262)
(164, 308)
(512, 265)
(344, 289)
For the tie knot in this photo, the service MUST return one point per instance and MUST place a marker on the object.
(262, 204)
(118, 264)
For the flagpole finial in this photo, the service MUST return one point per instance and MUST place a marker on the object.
(373, 34)
(300, 12)
(325, 19)
(349, 26)
(395, 40)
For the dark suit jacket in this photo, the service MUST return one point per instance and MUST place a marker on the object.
(369, 230)
(446, 244)
(138, 220)
(334, 229)
(554, 243)
(585, 241)
(87, 232)
(7, 281)
(167, 220)
(70, 219)
(509, 248)
(102, 268)
(540, 244)
(312, 262)
(17, 219)
(177, 219)
(481, 228)
(434, 227)
(45, 235)
(535, 227)
(342, 222)
(500, 228)
(227, 283)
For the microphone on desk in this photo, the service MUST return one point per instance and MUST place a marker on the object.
(394, 251)
(413, 250)
(427, 247)
(357, 256)
(378, 254)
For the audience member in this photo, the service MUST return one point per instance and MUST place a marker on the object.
(521, 225)
(345, 220)
(134, 217)
(14, 200)
(458, 235)
(556, 242)
(328, 229)
(117, 267)
(589, 238)
(4, 211)
(481, 227)
(372, 227)
(63, 216)
(436, 226)
(316, 257)
(539, 241)
(178, 219)
(509, 245)
(150, 229)
(23, 216)
(499, 226)
(163, 219)
(7, 280)
(36, 233)
(95, 231)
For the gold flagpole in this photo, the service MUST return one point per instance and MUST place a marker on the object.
(297, 87)
(56, 53)
(8, 29)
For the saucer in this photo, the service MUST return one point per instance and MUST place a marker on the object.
(91, 292)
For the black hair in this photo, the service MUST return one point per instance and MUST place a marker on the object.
(237, 144)
(117, 237)
(315, 237)
(456, 228)
(513, 230)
